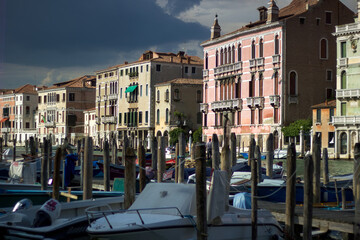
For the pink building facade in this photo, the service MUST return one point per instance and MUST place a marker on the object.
(255, 78)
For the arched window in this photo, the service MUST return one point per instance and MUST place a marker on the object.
(158, 116)
(217, 59)
(176, 94)
(276, 44)
(239, 53)
(293, 79)
(261, 48)
(323, 49)
(167, 95)
(253, 49)
(167, 116)
(229, 55)
(225, 56)
(206, 61)
(158, 95)
(343, 143)
(233, 55)
(343, 80)
(276, 83)
(261, 83)
(221, 57)
(198, 96)
(252, 86)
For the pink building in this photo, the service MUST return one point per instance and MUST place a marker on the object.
(269, 73)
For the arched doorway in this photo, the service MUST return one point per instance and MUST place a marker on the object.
(158, 134)
(352, 142)
(166, 138)
(343, 143)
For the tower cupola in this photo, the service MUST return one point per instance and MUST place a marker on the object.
(215, 29)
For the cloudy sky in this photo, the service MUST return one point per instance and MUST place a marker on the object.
(44, 41)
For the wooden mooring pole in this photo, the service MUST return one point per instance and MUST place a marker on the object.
(106, 156)
(32, 147)
(44, 164)
(176, 162)
(182, 146)
(233, 149)
(130, 178)
(357, 191)
(269, 155)
(14, 149)
(308, 197)
(251, 150)
(142, 165)
(56, 175)
(290, 192)
(215, 155)
(258, 158)
(325, 163)
(88, 168)
(1, 149)
(317, 161)
(254, 182)
(154, 146)
(200, 161)
(161, 164)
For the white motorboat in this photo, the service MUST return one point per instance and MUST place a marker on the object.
(64, 221)
(280, 153)
(168, 211)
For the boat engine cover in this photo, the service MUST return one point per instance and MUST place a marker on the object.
(48, 213)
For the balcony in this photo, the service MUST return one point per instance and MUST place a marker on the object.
(346, 120)
(259, 102)
(97, 120)
(228, 68)
(105, 97)
(98, 98)
(113, 97)
(109, 119)
(205, 72)
(276, 59)
(5, 130)
(250, 102)
(347, 27)
(204, 107)
(50, 124)
(133, 75)
(347, 93)
(342, 62)
(225, 105)
(274, 100)
(260, 62)
(252, 63)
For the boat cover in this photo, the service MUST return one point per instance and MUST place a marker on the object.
(242, 200)
(24, 170)
(161, 195)
(218, 197)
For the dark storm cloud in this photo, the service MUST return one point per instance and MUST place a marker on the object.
(84, 32)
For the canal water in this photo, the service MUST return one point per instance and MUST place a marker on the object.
(336, 166)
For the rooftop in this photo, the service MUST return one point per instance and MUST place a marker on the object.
(182, 81)
(326, 104)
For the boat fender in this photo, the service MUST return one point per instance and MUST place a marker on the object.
(47, 214)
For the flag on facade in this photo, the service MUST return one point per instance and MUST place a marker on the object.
(43, 120)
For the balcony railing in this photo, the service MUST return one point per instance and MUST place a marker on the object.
(260, 62)
(228, 68)
(109, 119)
(250, 102)
(342, 62)
(274, 100)
(233, 104)
(204, 107)
(259, 102)
(205, 72)
(346, 120)
(276, 58)
(347, 27)
(105, 97)
(5, 130)
(347, 93)
(98, 98)
(50, 124)
(113, 96)
(252, 63)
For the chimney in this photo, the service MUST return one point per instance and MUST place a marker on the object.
(272, 12)
(180, 53)
(189, 60)
(125, 62)
(262, 13)
(215, 29)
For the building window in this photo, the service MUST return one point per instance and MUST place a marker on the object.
(343, 109)
(253, 51)
(120, 118)
(120, 92)
(125, 119)
(233, 55)
(140, 117)
(302, 20)
(158, 96)
(27, 110)
(198, 96)
(167, 95)
(71, 97)
(318, 116)
(343, 80)
(323, 49)
(217, 59)
(39, 99)
(328, 17)
(293, 80)
(140, 90)
(64, 97)
(239, 53)
(343, 49)
(331, 139)
(146, 117)
(329, 75)
(239, 117)
(158, 67)
(167, 116)
(329, 93)
(260, 116)
(147, 89)
(44, 99)
(276, 44)
(317, 21)
(158, 116)
(252, 116)
(199, 118)
(261, 85)
(261, 48)
(205, 120)
(206, 61)
(27, 125)
(193, 70)
(186, 69)
(252, 86)
(331, 114)
(27, 98)
(343, 143)
(176, 94)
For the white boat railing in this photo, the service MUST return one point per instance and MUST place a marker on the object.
(93, 215)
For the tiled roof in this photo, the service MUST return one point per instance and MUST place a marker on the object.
(296, 7)
(182, 81)
(75, 83)
(151, 56)
(28, 88)
(326, 104)
(90, 109)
